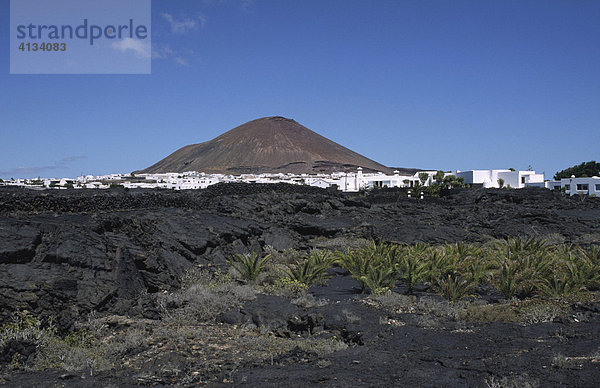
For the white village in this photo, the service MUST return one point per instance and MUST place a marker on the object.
(343, 181)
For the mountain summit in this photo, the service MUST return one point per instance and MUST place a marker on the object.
(267, 145)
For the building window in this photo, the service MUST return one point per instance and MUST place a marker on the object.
(523, 179)
(582, 187)
(597, 187)
(567, 187)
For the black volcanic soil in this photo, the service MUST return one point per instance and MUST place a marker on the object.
(67, 253)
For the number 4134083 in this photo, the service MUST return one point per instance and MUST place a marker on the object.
(43, 46)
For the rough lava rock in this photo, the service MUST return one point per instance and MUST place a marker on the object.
(69, 252)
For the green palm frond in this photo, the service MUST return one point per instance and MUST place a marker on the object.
(249, 266)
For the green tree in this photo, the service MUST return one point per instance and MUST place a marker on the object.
(439, 176)
(451, 182)
(423, 177)
(584, 169)
(500, 182)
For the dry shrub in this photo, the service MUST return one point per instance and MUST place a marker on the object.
(392, 302)
(439, 308)
(541, 313)
(204, 298)
(520, 381)
(489, 313)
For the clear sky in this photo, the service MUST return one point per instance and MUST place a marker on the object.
(429, 84)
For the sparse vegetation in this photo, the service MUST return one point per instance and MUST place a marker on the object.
(203, 297)
(520, 381)
(286, 287)
(516, 267)
(35, 345)
(538, 280)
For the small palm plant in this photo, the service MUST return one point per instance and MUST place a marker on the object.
(572, 272)
(592, 254)
(521, 264)
(454, 287)
(311, 269)
(412, 268)
(464, 250)
(373, 266)
(357, 264)
(566, 281)
(590, 265)
(322, 257)
(440, 263)
(380, 278)
(532, 269)
(380, 253)
(508, 280)
(249, 266)
(531, 245)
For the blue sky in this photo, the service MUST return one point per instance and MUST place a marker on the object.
(428, 84)
(92, 54)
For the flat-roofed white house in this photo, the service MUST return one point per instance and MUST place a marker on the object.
(550, 185)
(585, 186)
(321, 183)
(95, 185)
(489, 178)
(358, 181)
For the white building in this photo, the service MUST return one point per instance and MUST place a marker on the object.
(95, 185)
(353, 182)
(510, 178)
(343, 181)
(586, 186)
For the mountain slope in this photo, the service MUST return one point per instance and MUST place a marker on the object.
(270, 144)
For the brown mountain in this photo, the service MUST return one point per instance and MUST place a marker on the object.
(270, 144)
